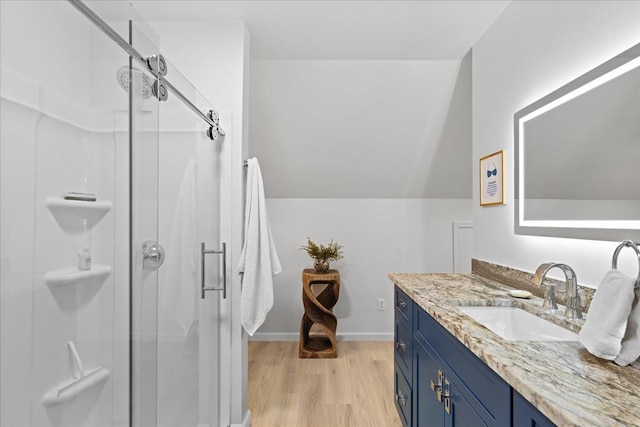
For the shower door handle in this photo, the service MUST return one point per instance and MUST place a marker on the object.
(222, 252)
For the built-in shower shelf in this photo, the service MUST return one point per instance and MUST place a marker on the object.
(68, 276)
(80, 380)
(68, 212)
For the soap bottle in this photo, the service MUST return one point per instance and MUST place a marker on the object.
(84, 253)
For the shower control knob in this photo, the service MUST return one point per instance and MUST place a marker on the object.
(152, 255)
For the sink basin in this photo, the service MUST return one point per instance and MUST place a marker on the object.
(515, 324)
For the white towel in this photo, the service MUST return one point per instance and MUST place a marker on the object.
(180, 287)
(258, 261)
(631, 342)
(606, 322)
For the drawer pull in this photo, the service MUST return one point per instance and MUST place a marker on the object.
(400, 345)
(437, 387)
(401, 399)
(447, 396)
(402, 304)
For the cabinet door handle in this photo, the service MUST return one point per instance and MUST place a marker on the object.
(400, 345)
(447, 396)
(402, 304)
(437, 387)
(401, 399)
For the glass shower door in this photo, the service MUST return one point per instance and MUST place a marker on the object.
(188, 324)
(175, 209)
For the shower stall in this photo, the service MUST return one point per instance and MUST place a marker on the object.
(112, 266)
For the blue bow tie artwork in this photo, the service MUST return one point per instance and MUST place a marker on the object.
(492, 184)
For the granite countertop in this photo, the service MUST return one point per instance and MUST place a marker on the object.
(562, 379)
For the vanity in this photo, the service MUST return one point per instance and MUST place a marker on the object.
(452, 371)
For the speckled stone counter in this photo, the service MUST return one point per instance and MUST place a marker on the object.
(562, 379)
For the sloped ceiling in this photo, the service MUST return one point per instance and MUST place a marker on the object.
(361, 129)
(343, 30)
(355, 99)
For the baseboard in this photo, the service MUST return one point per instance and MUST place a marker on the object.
(346, 336)
(365, 336)
(246, 422)
(273, 336)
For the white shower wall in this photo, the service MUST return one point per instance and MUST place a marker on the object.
(42, 158)
(63, 128)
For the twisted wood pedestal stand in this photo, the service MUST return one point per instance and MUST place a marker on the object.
(318, 313)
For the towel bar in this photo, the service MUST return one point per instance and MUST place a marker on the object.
(632, 245)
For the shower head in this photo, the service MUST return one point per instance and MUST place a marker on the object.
(123, 78)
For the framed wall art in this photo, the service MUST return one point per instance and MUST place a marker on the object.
(492, 179)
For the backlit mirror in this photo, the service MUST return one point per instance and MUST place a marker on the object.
(577, 156)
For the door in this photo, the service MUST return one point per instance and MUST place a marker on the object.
(438, 400)
(175, 172)
(188, 323)
(428, 389)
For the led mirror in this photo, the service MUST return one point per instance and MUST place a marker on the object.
(577, 156)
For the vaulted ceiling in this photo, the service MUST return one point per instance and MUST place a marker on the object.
(355, 99)
(343, 30)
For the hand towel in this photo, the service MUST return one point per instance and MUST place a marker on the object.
(606, 322)
(631, 342)
(259, 261)
(180, 293)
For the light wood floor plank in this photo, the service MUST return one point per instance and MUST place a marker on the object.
(354, 390)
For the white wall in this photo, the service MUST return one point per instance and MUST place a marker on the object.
(374, 154)
(362, 129)
(379, 236)
(533, 48)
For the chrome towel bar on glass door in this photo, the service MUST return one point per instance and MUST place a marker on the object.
(203, 287)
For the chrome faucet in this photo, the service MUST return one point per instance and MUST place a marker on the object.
(573, 309)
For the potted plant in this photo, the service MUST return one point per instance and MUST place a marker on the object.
(321, 254)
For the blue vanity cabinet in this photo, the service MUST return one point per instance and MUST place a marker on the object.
(403, 365)
(438, 402)
(428, 408)
(465, 391)
(403, 397)
(476, 389)
(403, 333)
(525, 414)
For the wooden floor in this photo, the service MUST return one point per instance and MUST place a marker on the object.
(354, 390)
